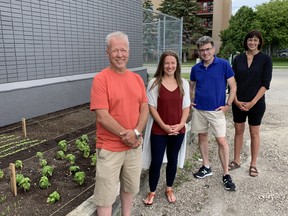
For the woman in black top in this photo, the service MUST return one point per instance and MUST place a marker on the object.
(253, 73)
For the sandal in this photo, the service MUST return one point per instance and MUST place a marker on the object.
(253, 171)
(170, 196)
(233, 165)
(150, 198)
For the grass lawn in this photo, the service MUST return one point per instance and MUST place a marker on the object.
(277, 63)
(280, 62)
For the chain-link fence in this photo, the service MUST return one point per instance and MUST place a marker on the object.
(160, 32)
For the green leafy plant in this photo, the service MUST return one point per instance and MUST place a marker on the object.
(1, 174)
(86, 151)
(23, 182)
(71, 158)
(39, 155)
(47, 171)
(18, 178)
(43, 163)
(79, 177)
(62, 145)
(93, 159)
(85, 138)
(44, 182)
(74, 169)
(80, 144)
(18, 164)
(60, 155)
(53, 197)
(3, 198)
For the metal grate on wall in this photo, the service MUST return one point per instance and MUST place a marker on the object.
(53, 38)
(44, 39)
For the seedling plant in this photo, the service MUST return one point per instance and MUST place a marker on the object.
(23, 182)
(47, 171)
(18, 164)
(53, 197)
(79, 177)
(44, 182)
(1, 174)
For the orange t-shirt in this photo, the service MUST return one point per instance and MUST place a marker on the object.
(122, 95)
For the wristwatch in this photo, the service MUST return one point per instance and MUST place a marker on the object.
(229, 105)
(137, 133)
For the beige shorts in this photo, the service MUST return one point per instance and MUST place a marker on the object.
(115, 167)
(202, 120)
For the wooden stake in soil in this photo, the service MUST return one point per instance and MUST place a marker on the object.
(13, 179)
(24, 127)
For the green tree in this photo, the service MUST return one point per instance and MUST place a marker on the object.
(269, 18)
(272, 21)
(239, 24)
(192, 24)
(147, 4)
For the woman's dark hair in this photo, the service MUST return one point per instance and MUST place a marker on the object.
(160, 71)
(251, 34)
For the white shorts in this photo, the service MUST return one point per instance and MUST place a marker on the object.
(202, 120)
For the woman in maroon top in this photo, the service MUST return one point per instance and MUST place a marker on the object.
(169, 104)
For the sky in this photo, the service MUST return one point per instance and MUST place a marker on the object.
(236, 4)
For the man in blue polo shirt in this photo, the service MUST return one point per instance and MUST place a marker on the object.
(208, 79)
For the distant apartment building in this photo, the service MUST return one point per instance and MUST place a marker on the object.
(215, 15)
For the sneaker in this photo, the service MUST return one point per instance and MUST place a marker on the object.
(228, 183)
(203, 172)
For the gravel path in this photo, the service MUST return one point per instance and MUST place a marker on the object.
(264, 195)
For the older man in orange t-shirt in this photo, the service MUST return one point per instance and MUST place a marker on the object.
(118, 96)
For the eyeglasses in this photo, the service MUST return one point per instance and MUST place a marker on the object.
(205, 50)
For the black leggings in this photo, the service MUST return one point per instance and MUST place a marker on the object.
(159, 143)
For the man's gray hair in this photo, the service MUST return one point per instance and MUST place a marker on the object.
(116, 34)
(203, 41)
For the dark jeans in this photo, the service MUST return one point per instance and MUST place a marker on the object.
(159, 143)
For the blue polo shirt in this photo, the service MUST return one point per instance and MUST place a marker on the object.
(210, 91)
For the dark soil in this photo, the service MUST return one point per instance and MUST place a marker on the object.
(67, 125)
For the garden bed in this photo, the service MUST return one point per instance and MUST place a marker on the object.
(43, 135)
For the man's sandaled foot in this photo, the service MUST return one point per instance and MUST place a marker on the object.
(253, 171)
(170, 195)
(149, 199)
(233, 165)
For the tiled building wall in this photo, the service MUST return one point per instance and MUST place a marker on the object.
(54, 38)
(51, 49)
